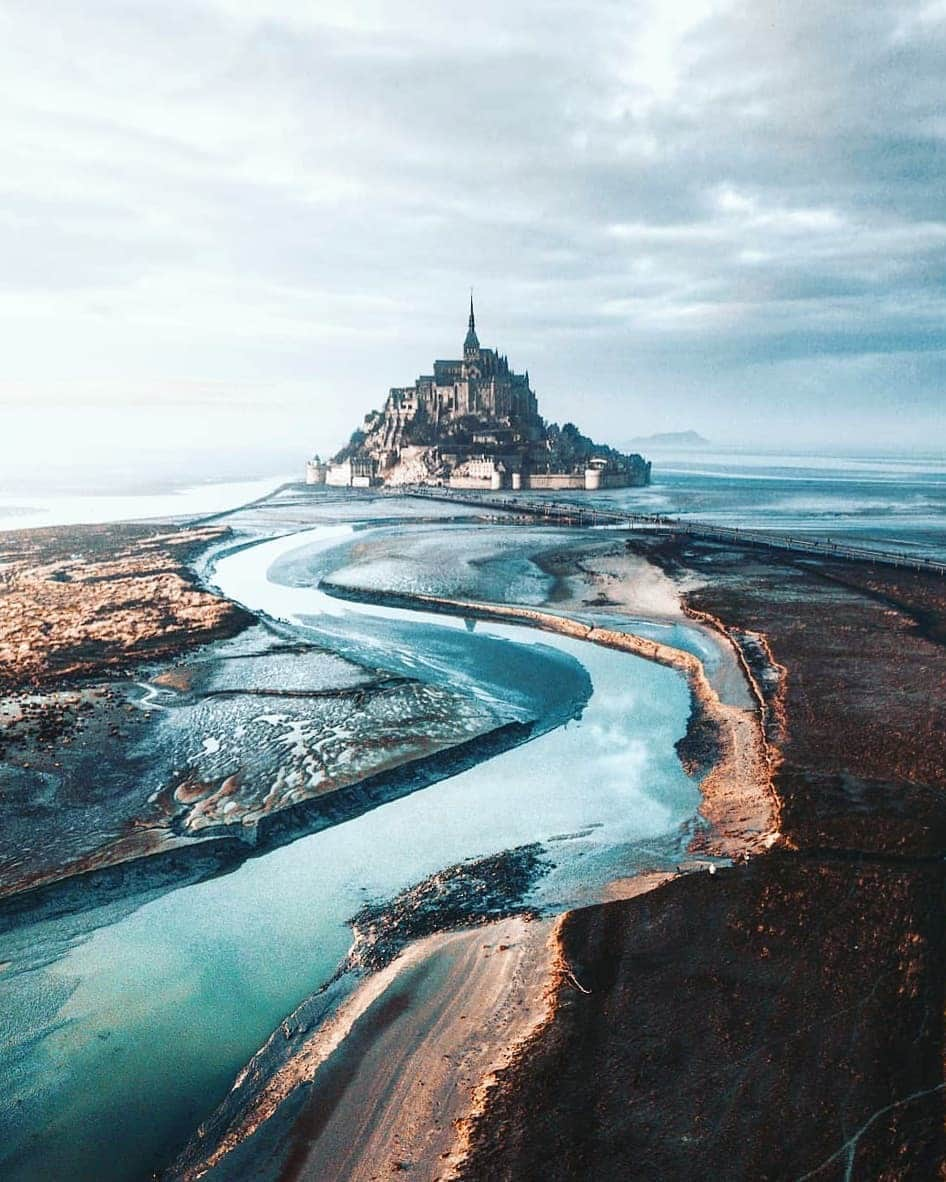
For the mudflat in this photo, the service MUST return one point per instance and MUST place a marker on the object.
(86, 598)
(153, 732)
(782, 1018)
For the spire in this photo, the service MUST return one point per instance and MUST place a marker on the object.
(471, 344)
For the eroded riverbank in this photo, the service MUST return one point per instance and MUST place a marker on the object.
(296, 1131)
(726, 744)
(781, 1019)
(170, 980)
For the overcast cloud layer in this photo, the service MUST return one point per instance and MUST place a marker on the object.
(726, 216)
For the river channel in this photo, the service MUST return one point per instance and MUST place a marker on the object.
(114, 1050)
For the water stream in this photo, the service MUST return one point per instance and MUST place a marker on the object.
(111, 1054)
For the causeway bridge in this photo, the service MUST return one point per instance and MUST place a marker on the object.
(566, 513)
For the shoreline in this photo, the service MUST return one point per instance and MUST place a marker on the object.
(153, 848)
(395, 1075)
(190, 860)
(738, 750)
(401, 954)
(742, 756)
(725, 1021)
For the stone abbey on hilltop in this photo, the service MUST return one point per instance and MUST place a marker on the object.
(473, 423)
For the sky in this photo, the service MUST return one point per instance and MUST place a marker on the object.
(228, 226)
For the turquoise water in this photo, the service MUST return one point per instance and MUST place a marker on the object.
(117, 1048)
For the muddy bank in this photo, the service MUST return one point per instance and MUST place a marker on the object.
(144, 716)
(605, 574)
(84, 612)
(184, 862)
(727, 742)
(783, 1018)
(750, 1025)
(89, 598)
(288, 1093)
(862, 706)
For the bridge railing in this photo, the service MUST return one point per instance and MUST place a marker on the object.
(572, 515)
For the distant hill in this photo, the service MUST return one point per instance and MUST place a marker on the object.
(670, 439)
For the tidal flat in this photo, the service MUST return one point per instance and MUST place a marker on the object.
(786, 1013)
(159, 973)
(344, 888)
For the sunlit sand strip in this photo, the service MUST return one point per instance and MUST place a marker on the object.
(471, 992)
(303, 1065)
(479, 996)
(739, 801)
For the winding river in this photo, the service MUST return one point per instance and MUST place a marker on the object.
(114, 1050)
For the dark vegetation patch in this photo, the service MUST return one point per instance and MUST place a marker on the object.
(740, 1026)
(470, 893)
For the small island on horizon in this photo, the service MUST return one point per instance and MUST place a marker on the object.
(685, 439)
(474, 423)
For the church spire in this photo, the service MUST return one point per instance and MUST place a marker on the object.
(471, 344)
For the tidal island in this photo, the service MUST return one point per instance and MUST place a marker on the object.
(473, 423)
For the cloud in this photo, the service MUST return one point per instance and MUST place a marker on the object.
(670, 212)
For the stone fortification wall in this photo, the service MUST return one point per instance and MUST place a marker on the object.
(607, 480)
(553, 480)
(414, 467)
(589, 480)
(338, 476)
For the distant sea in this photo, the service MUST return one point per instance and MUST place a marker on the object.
(97, 482)
(187, 500)
(896, 501)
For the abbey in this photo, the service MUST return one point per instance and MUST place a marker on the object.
(481, 386)
(473, 423)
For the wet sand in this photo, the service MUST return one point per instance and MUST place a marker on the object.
(605, 574)
(380, 1061)
(395, 1094)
